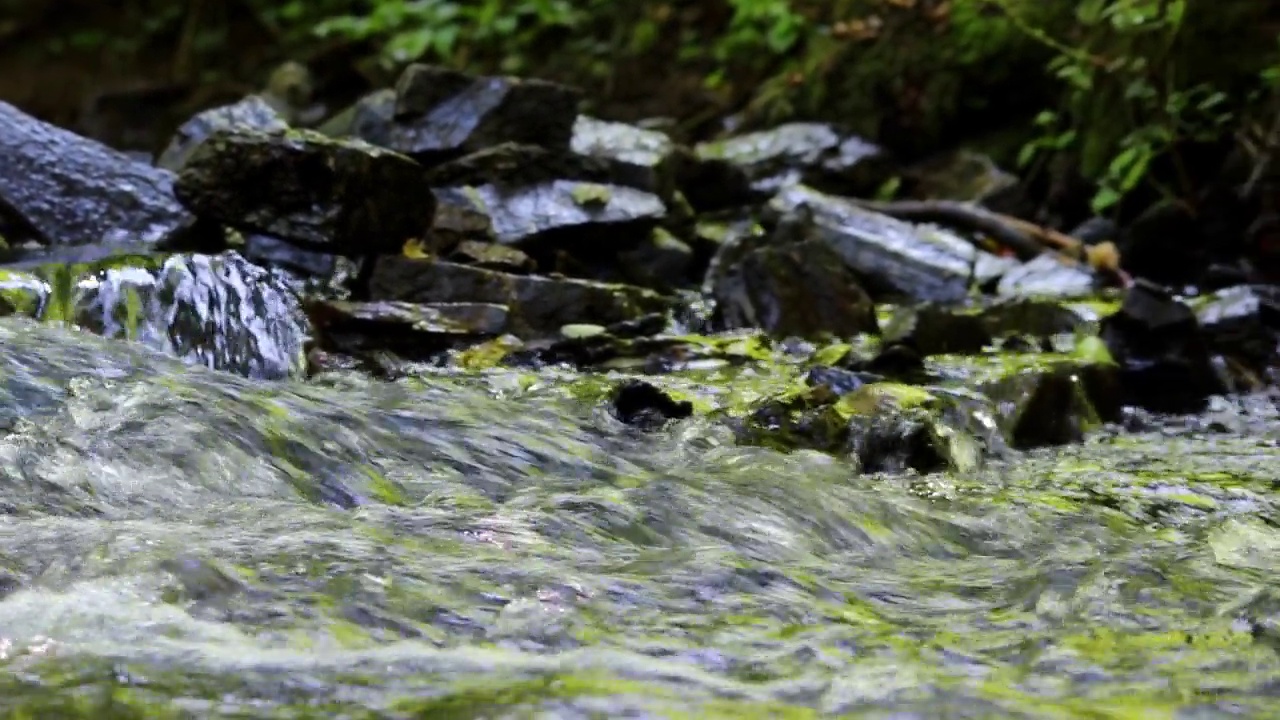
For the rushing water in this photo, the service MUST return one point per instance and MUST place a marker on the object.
(178, 542)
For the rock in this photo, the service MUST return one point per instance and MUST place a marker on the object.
(662, 262)
(460, 217)
(251, 113)
(524, 215)
(946, 329)
(916, 261)
(1164, 244)
(538, 305)
(961, 175)
(412, 331)
(1164, 360)
(1242, 323)
(219, 311)
(339, 196)
(370, 119)
(1046, 276)
(642, 159)
(492, 256)
(710, 184)
(641, 404)
(69, 190)
(273, 252)
(814, 154)
(793, 289)
(885, 427)
(442, 113)
(1050, 400)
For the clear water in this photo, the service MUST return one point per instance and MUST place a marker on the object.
(178, 542)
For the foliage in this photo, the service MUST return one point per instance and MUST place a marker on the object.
(1129, 100)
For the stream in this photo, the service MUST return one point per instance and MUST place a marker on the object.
(180, 542)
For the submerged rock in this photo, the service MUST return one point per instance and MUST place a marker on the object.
(442, 113)
(1164, 360)
(639, 403)
(410, 330)
(885, 427)
(251, 113)
(70, 190)
(219, 311)
(643, 159)
(917, 261)
(1050, 400)
(340, 196)
(538, 305)
(814, 154)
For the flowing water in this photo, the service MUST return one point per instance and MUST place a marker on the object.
(180, 542)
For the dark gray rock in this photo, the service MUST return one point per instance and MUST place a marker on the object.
(442, 113)
(410, 330)
(642, 159)
(251, 113)
(538, 305)
(339, 196)
(460, 217)
(793, 289)
(1164, 359)
(960, 175)
(814, 154)
(69, 190)
(945, 329)
(1243, 323)
(273, 252)
(662, 262)
(916, 261)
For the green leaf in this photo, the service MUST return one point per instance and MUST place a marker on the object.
(1103, 199)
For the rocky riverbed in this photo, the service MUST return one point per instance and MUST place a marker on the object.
(467, 405)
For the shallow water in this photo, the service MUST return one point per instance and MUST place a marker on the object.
(177, 542)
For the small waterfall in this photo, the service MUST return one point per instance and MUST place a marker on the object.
(220, 311)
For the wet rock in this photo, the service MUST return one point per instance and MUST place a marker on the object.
(886, 427)
(219, 311)
(532, 195)
(814, 154)
(370, 119)
(1164, 244)
(662, 262)
(442, 113)
(538, 305)
(946, 329)
(916, 261)
(69, 190)
(642, 159)
(251, 113)
(1047, 400)
(412, 331)
(1164, 360)
(492, 256)
(274, 252)
(460, 217)
(961, 175)
(340, 196)
(898, 359)
(641, 404)
(1047, 276)
(1242, 323)
(837, 380)
(793, 289)
(710, 184)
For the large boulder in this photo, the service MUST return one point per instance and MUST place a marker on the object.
(340, 196)
(69, 190)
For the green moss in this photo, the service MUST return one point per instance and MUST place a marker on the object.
(591, 194)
